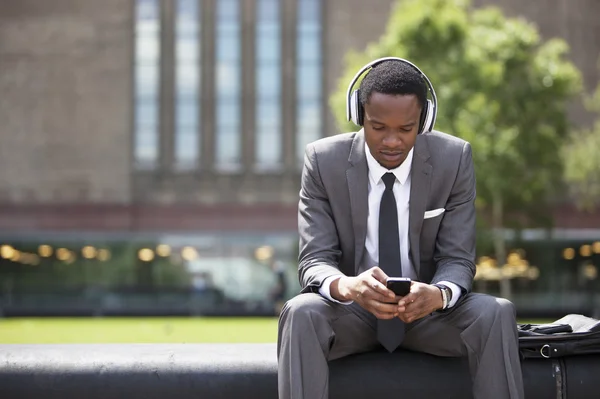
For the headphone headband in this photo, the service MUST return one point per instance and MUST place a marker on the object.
(370, 65)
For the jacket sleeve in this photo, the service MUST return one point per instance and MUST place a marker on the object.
(319, 249)
(455, 246)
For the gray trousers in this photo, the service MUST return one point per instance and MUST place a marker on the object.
(314, 330)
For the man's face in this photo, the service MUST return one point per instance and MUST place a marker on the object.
(391, 126)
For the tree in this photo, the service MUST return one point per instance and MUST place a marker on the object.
(582, 163)
(499, 86)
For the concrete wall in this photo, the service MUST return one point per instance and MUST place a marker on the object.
(65, 101)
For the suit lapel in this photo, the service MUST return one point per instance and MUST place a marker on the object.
(421, 171)
(358, 187)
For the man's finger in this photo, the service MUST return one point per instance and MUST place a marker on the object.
(408, 299)
(381, 289)
(379, 274)
(383, 307)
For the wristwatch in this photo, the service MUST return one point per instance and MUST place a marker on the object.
(446, 295)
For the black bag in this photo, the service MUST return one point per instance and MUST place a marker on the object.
(572, 335)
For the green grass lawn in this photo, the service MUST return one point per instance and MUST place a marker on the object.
(141, 330)
(137, 330)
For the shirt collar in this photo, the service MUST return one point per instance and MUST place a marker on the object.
(376, 171)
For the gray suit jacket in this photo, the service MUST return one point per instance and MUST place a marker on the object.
(333, 209)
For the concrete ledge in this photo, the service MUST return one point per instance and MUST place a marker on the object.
(209, 371)
(250, 371)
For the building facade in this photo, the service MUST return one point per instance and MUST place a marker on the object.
(183, 123)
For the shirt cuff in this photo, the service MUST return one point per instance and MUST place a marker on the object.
(455, 292)
(325, 291)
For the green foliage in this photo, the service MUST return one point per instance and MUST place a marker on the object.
(582, 163)
(499, 86)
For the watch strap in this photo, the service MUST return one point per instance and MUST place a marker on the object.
(446, 295)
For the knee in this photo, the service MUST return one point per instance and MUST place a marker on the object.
(505, 307)
(497, 308)
(301, 307)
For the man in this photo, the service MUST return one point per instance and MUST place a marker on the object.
(389, 195)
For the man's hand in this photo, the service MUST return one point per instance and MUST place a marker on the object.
(422, 300)
(369, 291)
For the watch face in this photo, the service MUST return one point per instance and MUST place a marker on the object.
(449, 293)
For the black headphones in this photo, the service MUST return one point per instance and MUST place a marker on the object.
(356, 113)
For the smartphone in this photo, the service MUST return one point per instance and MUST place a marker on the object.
(399, 285)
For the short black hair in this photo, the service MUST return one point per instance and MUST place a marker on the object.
(393, 77)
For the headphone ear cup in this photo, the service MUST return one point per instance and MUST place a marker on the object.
(355, 109)
(427, 117)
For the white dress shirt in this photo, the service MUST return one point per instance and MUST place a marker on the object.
(402, 194)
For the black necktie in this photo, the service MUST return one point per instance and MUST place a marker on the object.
(390, 333)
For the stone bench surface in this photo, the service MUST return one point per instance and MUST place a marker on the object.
(151, 371)
(210, 371)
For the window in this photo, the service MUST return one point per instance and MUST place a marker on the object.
(228, 86)
(308, 76)
(268, 145)
(187, 91)
(147, 54)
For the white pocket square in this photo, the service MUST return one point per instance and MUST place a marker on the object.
(433, 213)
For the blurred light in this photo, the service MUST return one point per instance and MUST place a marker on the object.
(146, 254)
(533, 273)
(596, 247)
(7, 252)
(508, 272)
(71, 257)
(514, 259)
(63, 254)
(45, 251)
(89, 252)
(29, 259)
(585, 250)
(163, 250)
(24, 258)
(569, 253)
(103, 255)
(263, 253)
(16, 256)
(486, 262)
(590, 272)
(189, 253)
